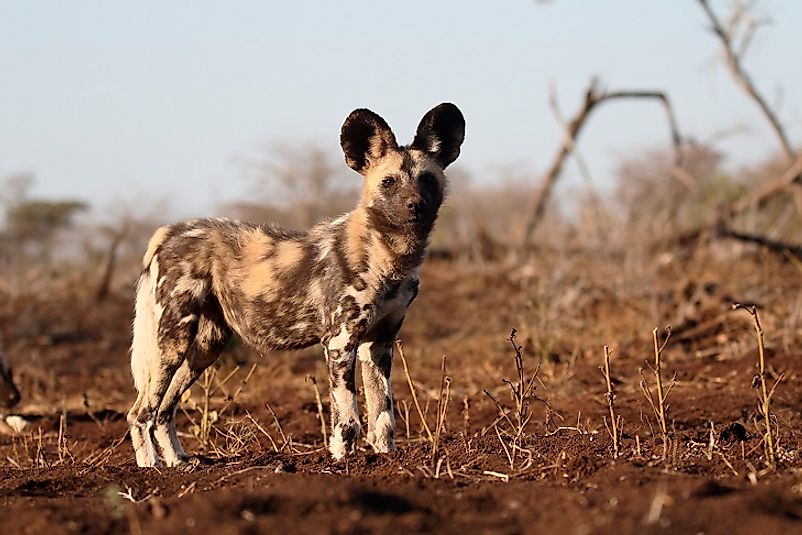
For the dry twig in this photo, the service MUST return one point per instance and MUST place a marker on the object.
(611, 401)
(765, 393)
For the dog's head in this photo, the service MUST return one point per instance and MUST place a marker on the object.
(9, 395)
(404, 185)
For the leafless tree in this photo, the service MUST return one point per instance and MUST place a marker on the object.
(297, 186)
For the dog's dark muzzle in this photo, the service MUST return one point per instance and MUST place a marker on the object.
(9, 395)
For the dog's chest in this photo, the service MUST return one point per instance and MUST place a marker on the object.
(396, 297)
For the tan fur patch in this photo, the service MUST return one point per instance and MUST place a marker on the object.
(255, 278)
(288, 254)
(256, 270)
(355, 234)
(389, 165)
(153, 244)
(255, 246)
(381, 259)
(316, 294)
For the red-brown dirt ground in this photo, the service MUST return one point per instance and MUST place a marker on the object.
(263, 467)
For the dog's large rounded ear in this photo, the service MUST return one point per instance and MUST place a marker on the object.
(365, 138)
(441, 133)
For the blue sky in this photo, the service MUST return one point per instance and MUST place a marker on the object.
(134, 102)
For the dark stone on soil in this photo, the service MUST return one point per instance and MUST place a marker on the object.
(734, 431)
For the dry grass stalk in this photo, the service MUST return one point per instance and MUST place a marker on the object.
(765, 393)
(262, 430)
(442, 407)
(611, 401)
(522, 392)
(658, 401)
(212, 387)
(243, 383)
(207, 418)
(319, 403)
(285, 439)
(414, 392)
(658, 375)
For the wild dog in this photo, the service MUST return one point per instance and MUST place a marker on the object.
(346, 283)
(9, 395)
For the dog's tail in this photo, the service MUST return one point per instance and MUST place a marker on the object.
(145, 346)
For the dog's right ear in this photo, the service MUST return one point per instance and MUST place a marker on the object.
(365, 138)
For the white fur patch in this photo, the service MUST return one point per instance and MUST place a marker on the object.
(363, 352)
(194, 233)
(194, 287)
(385, 424)
(164, 436)
(187, 319)
(337, 445)
(341, 340)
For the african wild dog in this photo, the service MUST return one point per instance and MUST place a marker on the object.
(345, 283)
(9, 395)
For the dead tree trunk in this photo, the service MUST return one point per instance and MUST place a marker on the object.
(111, 263)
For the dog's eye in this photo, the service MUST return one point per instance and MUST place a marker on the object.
(388, 182)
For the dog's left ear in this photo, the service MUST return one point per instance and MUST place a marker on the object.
(441, 133)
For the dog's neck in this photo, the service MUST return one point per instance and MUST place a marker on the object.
(387, 251)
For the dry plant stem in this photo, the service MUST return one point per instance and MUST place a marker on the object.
(442, 407)
(611, 400)
(594, 97)
(413, 392)
(243, 383)
(658, 352)
(284, 438)
(206, 387)
(765, 395)
(324, 432)
(742, 78)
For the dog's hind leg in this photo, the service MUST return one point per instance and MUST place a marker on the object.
(164, 328)
(211, 338)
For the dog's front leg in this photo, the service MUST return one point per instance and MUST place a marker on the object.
(344, 409)
(376, 358)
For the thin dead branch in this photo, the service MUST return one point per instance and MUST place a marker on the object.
(742, 78)
(775, 246)
(593, 98)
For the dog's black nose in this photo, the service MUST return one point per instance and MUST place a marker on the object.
(413, 205)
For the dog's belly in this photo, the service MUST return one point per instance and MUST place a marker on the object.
(283, 325)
